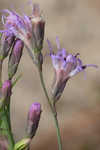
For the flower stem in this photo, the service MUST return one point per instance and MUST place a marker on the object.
(52, 110)
(6, 129)
(1, 72)
(9, 123)
(5, 118)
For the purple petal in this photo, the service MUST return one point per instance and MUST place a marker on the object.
(79, 61)
(55, 61)
(92, 65)
(27, 19)
(58, 43)
(3, 19)
(64, 52)
(50, 46)
(64, 65)
(2, 31)
(71, 58)
(7, 11)
(75, 71)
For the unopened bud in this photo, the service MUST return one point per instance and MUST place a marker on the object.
(15, 57)
(38, 26)
(7, 41)
(33, 119)
(6, 89)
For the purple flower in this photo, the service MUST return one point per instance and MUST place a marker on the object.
(20, 26)
(33, 119)
(66, 65)
(28, 29)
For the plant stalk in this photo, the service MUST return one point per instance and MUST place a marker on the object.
(5, 118)
(6, 129)
(1, 62)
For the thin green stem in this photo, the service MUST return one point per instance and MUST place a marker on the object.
(6, 130)
(44, 88)
(1, 72)
(58, 133)
(52, 110)
(9, 123)
(5, 118)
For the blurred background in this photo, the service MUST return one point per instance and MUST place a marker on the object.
(77, 23)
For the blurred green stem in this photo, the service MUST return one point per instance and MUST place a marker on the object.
(1, 72)
(6, 130)
(5, 117)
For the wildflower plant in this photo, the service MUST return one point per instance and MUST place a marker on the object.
(28, 31)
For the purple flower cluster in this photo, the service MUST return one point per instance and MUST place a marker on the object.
(21, 27)
(66, 65)
(28, 29)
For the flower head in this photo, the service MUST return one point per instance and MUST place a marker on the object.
(66, 65)
(28, 29)
(20, 26)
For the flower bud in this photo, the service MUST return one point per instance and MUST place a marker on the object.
(6, 89)
(33, 119)
(7, 41)
(38, 25)
(15, 57)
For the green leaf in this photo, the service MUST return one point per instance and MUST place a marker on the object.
(22, 145)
